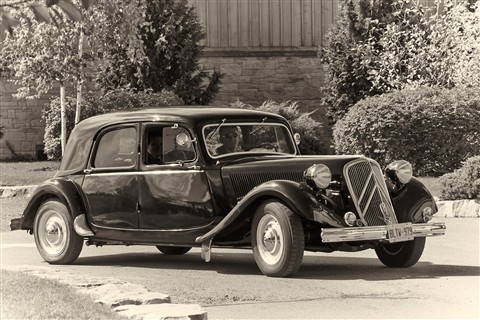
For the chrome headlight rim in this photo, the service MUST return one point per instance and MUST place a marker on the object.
(399, 171)
(318, 175)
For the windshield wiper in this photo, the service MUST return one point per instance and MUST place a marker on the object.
(260, 126)
(211, 134)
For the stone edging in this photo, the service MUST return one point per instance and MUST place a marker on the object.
(458, 209)
(127, 299)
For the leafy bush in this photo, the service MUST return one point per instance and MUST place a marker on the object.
(435, 129)
(96, 104)
(170, 41)
(385, 45)
(463, 183)
(301, 122)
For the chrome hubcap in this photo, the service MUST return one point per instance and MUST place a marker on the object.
(52, 232)
(270, 239)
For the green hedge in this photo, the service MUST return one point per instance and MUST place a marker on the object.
(310, 129)
(435, 129)
(463, 183)
(97, 104)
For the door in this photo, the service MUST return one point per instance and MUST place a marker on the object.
(173, 192)
(111, 182)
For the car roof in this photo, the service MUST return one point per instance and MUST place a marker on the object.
(81, 138)
(187, 114)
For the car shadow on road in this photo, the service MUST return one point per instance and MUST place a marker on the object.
(313, 267)
(371, 269)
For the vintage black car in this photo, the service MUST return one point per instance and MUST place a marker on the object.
(179, 177)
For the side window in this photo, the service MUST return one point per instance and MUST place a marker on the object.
(116, 148)
(153, 150)
(178, 145)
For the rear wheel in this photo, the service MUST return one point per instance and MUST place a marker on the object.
(277, 239)
(401, 254)
(56, 240)
(173, 251)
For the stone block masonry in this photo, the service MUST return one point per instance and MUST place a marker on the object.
(253, 80)
(22, 119)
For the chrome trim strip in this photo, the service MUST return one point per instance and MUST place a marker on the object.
(378, 232)
(150, 230)
(159, 171)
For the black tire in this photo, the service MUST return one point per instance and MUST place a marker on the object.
(401, 254)
(173, 251)
(277, 239)
(55, 238)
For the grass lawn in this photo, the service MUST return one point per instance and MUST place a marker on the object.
(25, 296)
(26, 173)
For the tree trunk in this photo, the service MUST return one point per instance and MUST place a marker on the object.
(63, 117)
(78, 110)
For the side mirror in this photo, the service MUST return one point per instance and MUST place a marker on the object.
(297, 138)
(183, 140)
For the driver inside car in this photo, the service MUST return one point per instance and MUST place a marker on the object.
(230, 140)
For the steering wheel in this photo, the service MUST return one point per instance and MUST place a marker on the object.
(268, 146)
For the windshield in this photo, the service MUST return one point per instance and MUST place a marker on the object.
(247, 138)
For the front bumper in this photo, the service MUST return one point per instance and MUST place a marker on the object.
(380, 233)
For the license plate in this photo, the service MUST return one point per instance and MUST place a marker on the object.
(400, 232)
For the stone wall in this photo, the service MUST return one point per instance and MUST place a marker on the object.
(253, 80)
(24, 126)
(249, 77)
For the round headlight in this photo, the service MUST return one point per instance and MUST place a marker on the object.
(401, 169)
(318, 174)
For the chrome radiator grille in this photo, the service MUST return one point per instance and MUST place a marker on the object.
(369, 192)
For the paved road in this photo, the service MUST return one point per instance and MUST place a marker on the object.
(444, 284)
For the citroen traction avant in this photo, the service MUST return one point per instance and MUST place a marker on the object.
(262, 195)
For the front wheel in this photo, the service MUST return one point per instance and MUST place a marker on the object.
(173, 251)
(401, 254)
(277, 239)
(56, 240)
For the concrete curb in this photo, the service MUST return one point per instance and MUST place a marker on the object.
(446, 209)
(131, 300)
(22, 191)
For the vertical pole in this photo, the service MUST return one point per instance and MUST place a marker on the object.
(78, 111)
(63, 117)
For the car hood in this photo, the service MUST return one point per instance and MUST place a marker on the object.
(243, 175)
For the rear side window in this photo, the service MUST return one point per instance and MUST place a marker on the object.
(116, 148)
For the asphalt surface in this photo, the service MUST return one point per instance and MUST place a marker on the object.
(444, 284)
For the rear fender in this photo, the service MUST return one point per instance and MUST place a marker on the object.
(289, 192)
(65, 190)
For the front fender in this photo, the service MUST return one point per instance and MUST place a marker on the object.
(411, 201)
(289, 192)
(65, 190)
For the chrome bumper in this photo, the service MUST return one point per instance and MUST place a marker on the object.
(378, 232)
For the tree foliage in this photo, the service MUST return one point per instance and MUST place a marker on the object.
(382, 45)
(169, 39)
(39, 56)
(41, 12)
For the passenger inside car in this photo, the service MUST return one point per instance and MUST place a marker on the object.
(155, 148)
